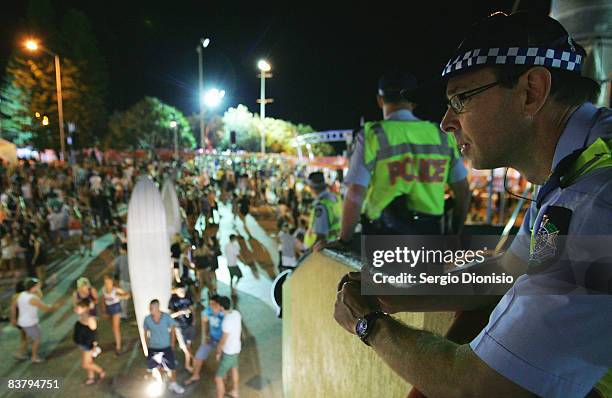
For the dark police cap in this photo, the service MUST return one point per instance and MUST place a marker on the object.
(392, 82)
(522, 38)
(316, 179)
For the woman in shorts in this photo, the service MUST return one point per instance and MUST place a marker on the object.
(23, 342)
(85, 337)
(86, 291)
(111, 305)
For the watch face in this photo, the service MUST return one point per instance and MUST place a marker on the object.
(361, 327)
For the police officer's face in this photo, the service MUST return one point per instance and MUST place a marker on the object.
(486, 129)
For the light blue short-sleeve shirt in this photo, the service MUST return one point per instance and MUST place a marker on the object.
(552, 343)
(160, 332)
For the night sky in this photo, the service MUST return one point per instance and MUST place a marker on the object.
(325, 63)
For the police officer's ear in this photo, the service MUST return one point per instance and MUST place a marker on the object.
(536, 83)
(379, 101)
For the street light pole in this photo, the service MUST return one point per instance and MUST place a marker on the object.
(60, 105)
(203, 44)
(174, 126)
(264, 68)
(175, 143)
(262, 96)
(33, 46)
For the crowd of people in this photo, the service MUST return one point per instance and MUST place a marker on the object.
(49, 212)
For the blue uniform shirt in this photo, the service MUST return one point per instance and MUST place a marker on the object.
(552, 343)
(360, 175)
(321, 218)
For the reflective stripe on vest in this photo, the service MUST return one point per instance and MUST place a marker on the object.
(596, 156)
(334, 218)
(411, 158)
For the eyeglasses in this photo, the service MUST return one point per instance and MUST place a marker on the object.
(457, 101)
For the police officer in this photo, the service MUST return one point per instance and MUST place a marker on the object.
(516, 98)
(325, 217)
(399, 169)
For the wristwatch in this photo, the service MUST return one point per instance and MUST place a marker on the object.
(365, 325)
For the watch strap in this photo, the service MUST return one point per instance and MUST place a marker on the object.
(370, 320)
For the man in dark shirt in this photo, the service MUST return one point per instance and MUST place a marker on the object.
(175, 252)
(181, 310)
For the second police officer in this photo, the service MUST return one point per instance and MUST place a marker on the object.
(324, 224)
(399, 171)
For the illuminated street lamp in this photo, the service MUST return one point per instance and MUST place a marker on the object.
(210, 98)
(33, 45)
(213, 97)
(45, 121)
(264, 68)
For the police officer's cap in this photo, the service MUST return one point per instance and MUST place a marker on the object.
(316, 180)
(524, 38)
(394, 81)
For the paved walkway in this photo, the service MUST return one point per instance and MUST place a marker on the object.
(260, 360)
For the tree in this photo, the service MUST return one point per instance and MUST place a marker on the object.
(35, 78)
(15, 122)
(29, 85)
(241, 121)
(147, 125)
(78, 42)
(278, 133)
(213, 125)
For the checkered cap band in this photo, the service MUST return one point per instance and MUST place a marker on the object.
(559, 59)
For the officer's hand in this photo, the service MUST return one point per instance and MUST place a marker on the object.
(320, 245)
(350, 277)
(333, 244)
(351, 305)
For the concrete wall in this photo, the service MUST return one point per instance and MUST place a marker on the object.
(320, 359)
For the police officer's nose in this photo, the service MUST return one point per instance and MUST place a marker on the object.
(450, 122)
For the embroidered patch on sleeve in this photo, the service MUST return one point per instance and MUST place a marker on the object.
(547, 240)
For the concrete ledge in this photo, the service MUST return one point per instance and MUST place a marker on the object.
(320, 359)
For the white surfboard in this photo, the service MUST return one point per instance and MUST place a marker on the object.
(171, 205)
(148, 251)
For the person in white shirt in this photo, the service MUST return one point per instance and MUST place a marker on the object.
(232, 251)
(228, 348)
(289, 247)
(28, 303)
(95, 182)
